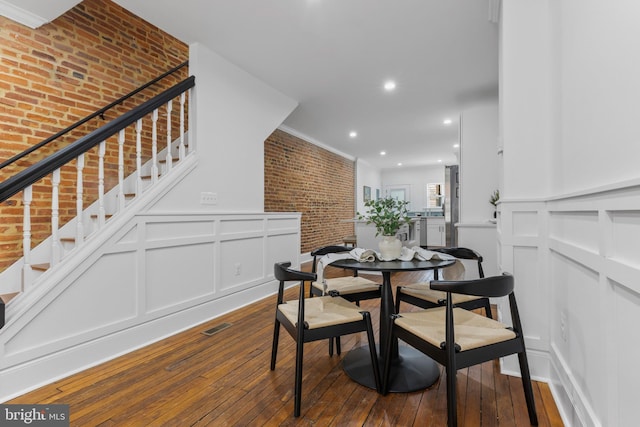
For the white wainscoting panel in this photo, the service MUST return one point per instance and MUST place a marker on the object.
(281, 224)
(625, 353)
(576, 260)
(131, 237)
(181, 230)
(525, 224)
(53, 325)
(482, 238)
(230, 227)
(279, 250)
(624, 243)
(147, 277)
(580, 229)
(241, 262)
(576, 322)
(170, 281)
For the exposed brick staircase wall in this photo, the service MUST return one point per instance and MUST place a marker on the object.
(61, 72)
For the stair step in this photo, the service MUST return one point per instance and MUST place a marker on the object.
(95, 216)
(41, 267)
(8, 297)
(148, 177)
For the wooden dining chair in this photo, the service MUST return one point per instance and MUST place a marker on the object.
(312, 319)
(457, 338)
(352, 288)
(421, 295)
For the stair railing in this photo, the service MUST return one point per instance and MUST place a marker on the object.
(24, 181)
(99, 113)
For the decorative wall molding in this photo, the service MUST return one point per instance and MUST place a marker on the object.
(156, 275)
(575, 259)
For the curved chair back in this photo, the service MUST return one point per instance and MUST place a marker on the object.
(464, 253)
(284, 274)
(492, 287)
(320, 252)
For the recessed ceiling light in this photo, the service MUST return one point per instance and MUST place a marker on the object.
(389, 85)
(456, 145)
(439, 160)
(382, 153)
(353, 134)
(447, 121)
(399, 164)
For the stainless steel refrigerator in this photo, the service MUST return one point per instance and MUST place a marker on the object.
(451, 204)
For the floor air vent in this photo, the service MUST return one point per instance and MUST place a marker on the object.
(216, 329)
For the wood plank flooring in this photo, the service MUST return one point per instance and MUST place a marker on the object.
(191, 379)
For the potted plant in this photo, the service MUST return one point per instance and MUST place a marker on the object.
(494, 200)
(388, 215)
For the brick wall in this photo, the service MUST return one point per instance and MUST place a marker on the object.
(53, 76)
(302, 177)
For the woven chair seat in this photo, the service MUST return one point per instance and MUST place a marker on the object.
(471, 330)
(348, 285)
(322, 311)
(422, 291)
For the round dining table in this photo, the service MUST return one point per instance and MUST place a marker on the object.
(411, 370)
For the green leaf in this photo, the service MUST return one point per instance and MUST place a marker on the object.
(387, 214)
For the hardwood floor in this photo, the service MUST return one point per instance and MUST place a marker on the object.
(192, 379)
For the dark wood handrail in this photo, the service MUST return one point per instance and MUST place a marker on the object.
(98, 113)
(23, 179)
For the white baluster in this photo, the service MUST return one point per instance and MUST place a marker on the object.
(154, 147)
(191, 142)
(181, 152)
(79, 202)
(169, 158)
(26, 238)
(102, 149)
(121, 170)
(56, 248)
(139, 157)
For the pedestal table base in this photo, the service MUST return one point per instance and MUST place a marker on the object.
(410, 371)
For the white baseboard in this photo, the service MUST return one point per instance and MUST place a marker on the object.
(574, 406)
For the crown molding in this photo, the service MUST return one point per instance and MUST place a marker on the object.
(20, 15)
(313, 141)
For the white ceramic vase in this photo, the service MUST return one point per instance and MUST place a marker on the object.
(390, 248)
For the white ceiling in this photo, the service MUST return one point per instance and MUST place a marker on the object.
(333, 56)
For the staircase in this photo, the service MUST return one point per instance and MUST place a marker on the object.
(65, 241)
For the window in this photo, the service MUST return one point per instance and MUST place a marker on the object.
(434, 195)
(398, 193)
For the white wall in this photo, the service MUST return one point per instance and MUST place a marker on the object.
(479, 177)
(416, 178)
(235, 113)
(599, 69)
(570, 217)
(369, 176)
(525, 98)
(478, 161)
